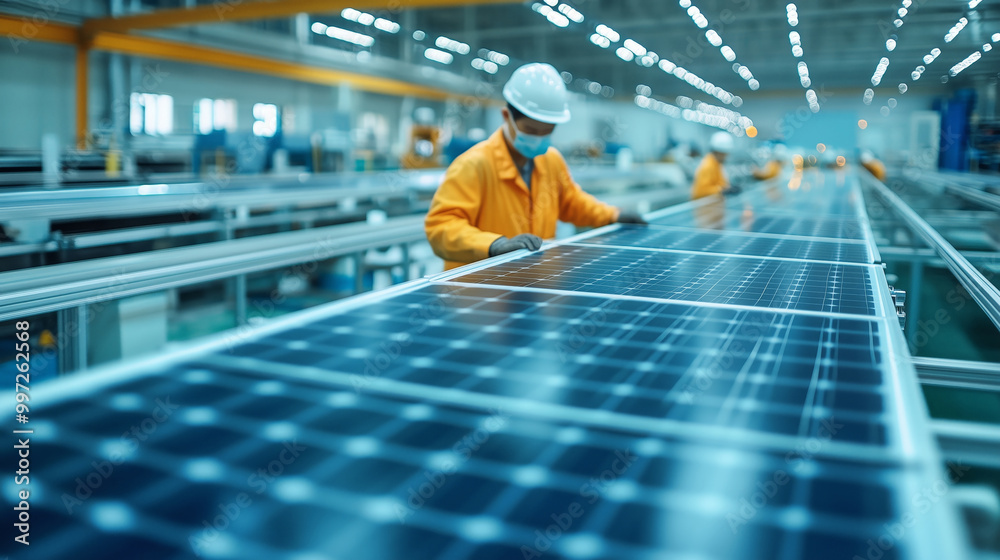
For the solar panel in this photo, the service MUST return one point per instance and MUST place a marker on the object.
(737, 243)
(688, 276)
(815, 201)
(763, 222)
(386, 431)
(630, 393)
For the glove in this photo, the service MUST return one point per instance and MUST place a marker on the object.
(524, 241)
(631, 218)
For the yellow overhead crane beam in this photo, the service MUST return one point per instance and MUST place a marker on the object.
(19, 30)
(172, 50)
(222, 11)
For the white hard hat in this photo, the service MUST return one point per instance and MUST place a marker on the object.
(424, 115)
(721, 142)
(538, 91)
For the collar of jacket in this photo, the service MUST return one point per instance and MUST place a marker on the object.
(506, 169)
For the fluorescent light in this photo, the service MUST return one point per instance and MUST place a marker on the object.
(319, 28)
(350, 14)
(383, 24)
(728, 53)
(452, 45)
(350, 36)
(419, 35)
(636, 48)
(955, 30)
(439, 56)
(880, 71)
(625, 54)
(494, 56)
(557, 19)
(611, 34)
(957, 69)
(600, 40)
(571, 13)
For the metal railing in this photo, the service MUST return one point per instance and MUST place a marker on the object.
(986, 295)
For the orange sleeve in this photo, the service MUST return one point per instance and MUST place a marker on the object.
(578, 207)
(708, 179)
(449, 222)
(770, 171)
(880, 171)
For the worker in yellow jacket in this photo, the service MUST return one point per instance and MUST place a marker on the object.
(873, 165)
(771, 169)
(710, 178)
(507, 192)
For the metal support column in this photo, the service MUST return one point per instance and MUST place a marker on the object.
(359, 272)
(406, 261)
(240, 297)
(72, 339)
(913, 304)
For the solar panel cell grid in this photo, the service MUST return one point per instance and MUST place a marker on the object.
(400, 478)
(737, 244)
(701, 365)
(765, 222)
(779, 284)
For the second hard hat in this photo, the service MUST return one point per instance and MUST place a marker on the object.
(721, 142)
(538, 91)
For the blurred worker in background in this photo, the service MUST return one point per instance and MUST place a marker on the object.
(425, 142)
(710, 178)
(873, 165)
(507, 192)
(772, 167)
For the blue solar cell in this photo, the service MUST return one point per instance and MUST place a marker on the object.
(767, 283)
(718, 218)
(733, 243)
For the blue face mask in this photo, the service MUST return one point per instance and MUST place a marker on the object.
(529, 145)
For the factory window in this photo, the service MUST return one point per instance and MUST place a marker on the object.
(151, 114)
(214, 114)
(265, 119)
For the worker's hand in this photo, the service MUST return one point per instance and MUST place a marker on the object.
(631, 218)
(523, 241)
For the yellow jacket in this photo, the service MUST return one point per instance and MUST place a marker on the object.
(709, 179)
(770, 171)
(876, 168)
(483, 198)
